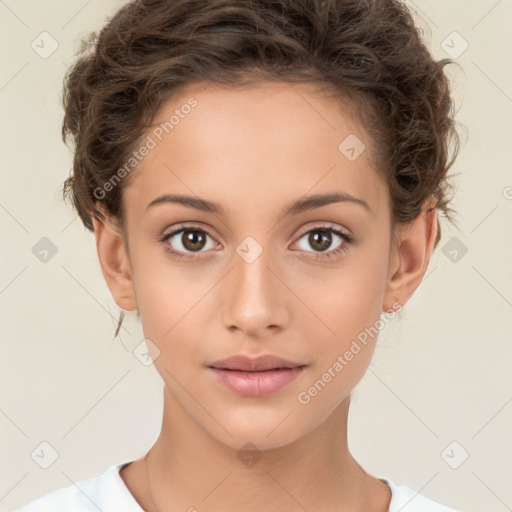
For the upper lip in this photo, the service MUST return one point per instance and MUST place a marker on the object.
(255, 364)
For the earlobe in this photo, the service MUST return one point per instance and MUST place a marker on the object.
(410, 256)
(114, 262)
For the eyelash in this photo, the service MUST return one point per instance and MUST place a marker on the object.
(348, 239)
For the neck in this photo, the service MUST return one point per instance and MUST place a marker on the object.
(189, 469)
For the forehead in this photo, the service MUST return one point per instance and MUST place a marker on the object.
(267, 143)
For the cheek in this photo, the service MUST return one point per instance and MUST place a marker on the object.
(165, 288)
(174, 306)
(347, 299)
(343, 352)
(348, 305)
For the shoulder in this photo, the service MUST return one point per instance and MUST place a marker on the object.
(405, 499)
(105, 492)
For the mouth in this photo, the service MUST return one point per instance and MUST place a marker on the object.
(257, 383)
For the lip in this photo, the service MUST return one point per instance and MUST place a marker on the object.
(256, 377)
(254, 364)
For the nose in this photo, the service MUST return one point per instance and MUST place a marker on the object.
(255, 299)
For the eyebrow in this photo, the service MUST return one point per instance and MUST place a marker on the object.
(300, 206)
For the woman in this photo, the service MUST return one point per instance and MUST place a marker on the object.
(263, 180)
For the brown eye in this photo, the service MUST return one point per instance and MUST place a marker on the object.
(320, 239)
(186, 241)
(193, 240)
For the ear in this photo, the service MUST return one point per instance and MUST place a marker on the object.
(410, 256)
(114, 261)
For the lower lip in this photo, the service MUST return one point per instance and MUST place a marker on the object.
(257, 384)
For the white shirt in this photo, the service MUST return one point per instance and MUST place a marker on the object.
(108, 493)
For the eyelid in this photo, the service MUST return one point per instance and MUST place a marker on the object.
(328, 226)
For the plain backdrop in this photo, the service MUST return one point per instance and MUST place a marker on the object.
(434, 410)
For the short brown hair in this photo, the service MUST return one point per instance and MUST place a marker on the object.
(369, 51)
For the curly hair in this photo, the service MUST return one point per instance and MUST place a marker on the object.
(368, 51)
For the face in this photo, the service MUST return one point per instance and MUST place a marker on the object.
(247, 273)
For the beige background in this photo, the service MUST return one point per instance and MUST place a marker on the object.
(441, 375)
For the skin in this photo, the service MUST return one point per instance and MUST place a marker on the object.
(254, 151)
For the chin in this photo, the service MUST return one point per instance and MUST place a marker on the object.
(261, 431)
